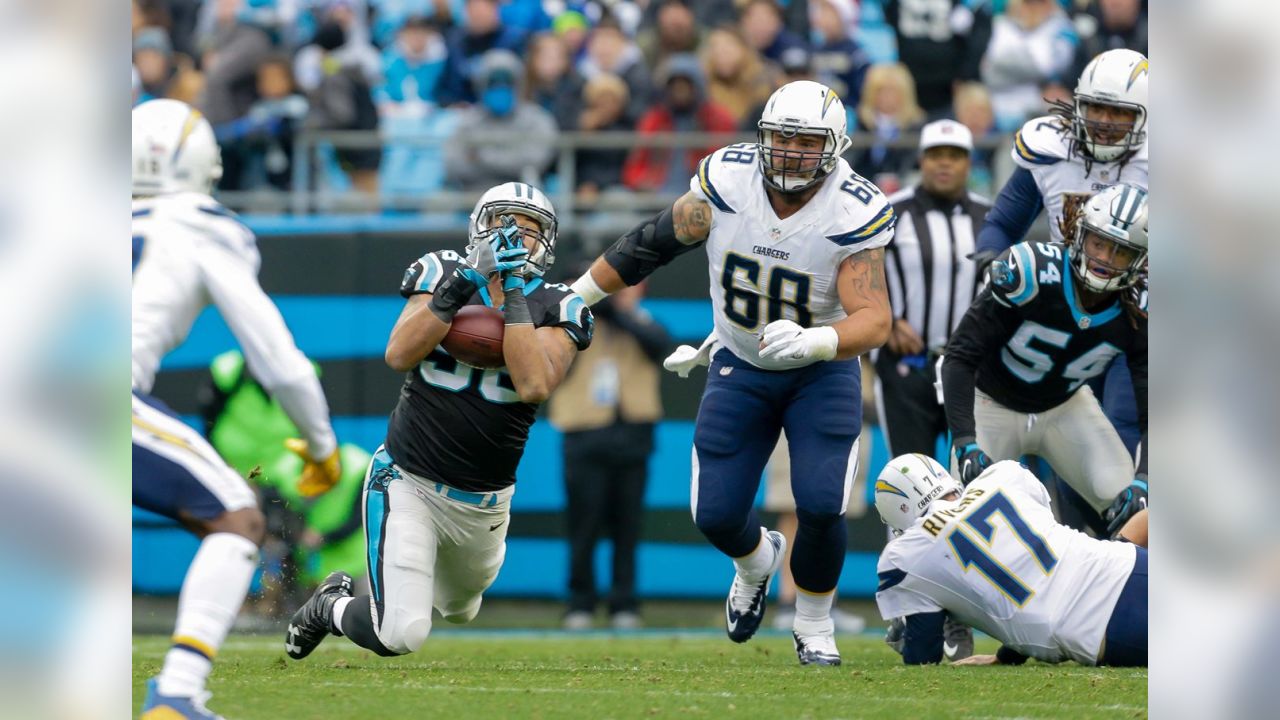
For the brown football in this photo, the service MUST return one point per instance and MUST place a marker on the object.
(476, 337)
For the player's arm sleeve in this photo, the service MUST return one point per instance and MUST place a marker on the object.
(426, 274)
(269, 349)
(922, 638)
(981, 332)
(1015, 209)
(574, 317)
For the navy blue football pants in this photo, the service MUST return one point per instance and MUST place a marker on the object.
(743, 409)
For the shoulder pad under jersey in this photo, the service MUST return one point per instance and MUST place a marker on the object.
(862, 216)
(1041, 141)
(726, 176)
(565, 309)
(1018, 274)
(426, 273)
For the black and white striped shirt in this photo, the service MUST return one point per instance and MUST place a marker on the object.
(931, 279)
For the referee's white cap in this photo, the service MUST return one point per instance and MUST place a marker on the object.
(947, 133)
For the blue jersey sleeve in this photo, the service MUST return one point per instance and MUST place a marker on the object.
(1010, 218)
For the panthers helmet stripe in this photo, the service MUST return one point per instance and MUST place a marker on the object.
(704, 181)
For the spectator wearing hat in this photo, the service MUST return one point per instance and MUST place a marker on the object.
(480, 31)
(737, 78)
(838, 60)
(500, 112)
(153, 59)
(573, 27)
(931, 283)
(412, 67)
(683, 107)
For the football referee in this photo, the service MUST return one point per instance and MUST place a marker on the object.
(931, 283)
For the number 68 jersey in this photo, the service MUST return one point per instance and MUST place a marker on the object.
(764, 268)
(997, 560)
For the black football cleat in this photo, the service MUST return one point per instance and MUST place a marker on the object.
(314, 620)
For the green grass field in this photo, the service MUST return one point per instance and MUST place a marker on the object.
(538, 674)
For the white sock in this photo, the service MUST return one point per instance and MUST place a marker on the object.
(212, 593)
(755, 565)
(813, 611)
(339, 608)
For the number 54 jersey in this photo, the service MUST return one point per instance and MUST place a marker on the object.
(764, 268)
(998, 561)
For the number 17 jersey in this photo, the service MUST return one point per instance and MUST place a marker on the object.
(997, 560)
(764, 268)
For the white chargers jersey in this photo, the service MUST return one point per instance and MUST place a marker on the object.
(765, 269)
(1043, 147)
(190, 252)
(997, 560)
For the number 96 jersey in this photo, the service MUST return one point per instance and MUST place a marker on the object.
(764, 268)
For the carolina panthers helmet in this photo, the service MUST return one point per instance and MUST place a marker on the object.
(1117, 78)
(173, 149)
(521, 199)
(808, 108)
(1119, 214)
(908, 486)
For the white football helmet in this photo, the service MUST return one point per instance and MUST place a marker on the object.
(908, 486)
(522, 199)
(1118, 214)
(173, 149)
(1117, 78)
(802, 107)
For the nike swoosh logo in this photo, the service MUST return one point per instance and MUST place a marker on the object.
(496, 525)
(949, 649)
(733, 622)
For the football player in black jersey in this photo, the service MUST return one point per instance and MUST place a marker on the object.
(1015, 371)
(437, 494)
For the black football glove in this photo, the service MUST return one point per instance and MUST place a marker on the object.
(970, 460)
(1127, 504)
(455, 291)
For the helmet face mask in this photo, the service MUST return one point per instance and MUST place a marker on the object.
(801, 136)
(520, 200)
(1105, 140)
(1109, 249)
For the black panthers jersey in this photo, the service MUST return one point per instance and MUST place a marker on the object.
(464, 426)
(1031, 343)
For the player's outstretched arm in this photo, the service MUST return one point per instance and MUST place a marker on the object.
(417, 332)
(865, 298)
(647, 247)
(537, 359)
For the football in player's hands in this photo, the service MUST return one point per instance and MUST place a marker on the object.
(475, 338)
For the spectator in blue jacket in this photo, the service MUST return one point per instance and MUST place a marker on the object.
(481, 30)
(411, 68)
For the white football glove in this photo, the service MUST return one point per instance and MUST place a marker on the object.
(687, 357)
(787, 342)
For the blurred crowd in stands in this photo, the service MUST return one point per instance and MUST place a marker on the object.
(264, 70)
